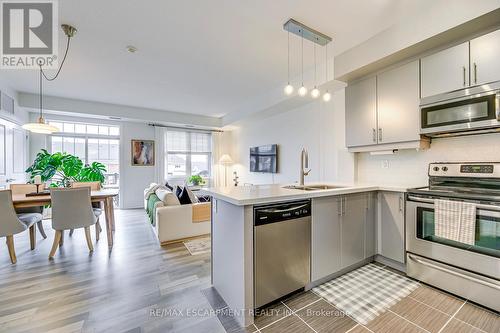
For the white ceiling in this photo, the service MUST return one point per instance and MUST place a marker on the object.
(200, 57)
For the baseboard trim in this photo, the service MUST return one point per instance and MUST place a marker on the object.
(180, 240)
(391, 263)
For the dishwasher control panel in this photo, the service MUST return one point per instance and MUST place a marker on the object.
(281, 212)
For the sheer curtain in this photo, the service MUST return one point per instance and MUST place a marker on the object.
(160, 143)
(217, 169)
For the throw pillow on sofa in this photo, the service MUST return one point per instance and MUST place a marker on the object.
(192, 197)
(167, 197)
(178, 191)
(170, 187)
(184, 197)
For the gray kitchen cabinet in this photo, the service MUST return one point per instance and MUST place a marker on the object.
(398, 104)
(361, 113)
(445, 71)
(371, 225)
(484, 51)
(352, 228)
(391, 226)
(325, 254)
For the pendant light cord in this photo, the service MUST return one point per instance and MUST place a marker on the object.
(41, 80)
(288, 57)
(302, 66)
(60, 67)
(315, 79)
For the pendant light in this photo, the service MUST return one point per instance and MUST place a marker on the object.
(302, 89)
(289, 88)
(315, 91)
(326, 96)
(40, 126)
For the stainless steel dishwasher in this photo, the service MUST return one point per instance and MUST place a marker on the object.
(282, 250)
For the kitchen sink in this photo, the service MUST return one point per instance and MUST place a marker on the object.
(312, 187)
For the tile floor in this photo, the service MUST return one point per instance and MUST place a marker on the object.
(426, 309)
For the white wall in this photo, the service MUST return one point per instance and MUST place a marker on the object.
(20, 116)
(317, 126)
(409, 167)
(133, 180)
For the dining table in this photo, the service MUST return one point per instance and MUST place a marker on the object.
(104, 195)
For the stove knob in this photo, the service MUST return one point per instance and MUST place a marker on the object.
(444, 168)
(436, 169)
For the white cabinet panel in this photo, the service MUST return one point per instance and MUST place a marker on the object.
(398, 104)
(484, 57)
(445, 71)
(361, 113)
(325, 237)
(353, 229)
(391, 225)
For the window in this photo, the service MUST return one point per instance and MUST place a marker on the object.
(188, 153)
(91, 143)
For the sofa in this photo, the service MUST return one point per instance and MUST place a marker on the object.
(173, 222)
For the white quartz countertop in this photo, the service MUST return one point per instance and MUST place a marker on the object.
(261, 194)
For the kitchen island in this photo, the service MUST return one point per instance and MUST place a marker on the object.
(351, 206)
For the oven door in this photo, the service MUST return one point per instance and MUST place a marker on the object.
(483, 257)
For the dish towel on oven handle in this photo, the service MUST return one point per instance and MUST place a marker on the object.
(455, 220)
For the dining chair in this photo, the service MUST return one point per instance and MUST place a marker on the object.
(71, 209)
(12, 223)
(96, 206)
(25, 189)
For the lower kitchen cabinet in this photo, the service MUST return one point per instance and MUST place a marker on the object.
(391, 232)
(325, 254)
(352, 229)
(343, 232)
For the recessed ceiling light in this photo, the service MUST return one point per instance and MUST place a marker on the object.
(131, 49)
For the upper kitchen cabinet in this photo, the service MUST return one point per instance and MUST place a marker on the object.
(484, 51)
(398, 104)
(445, 71)
(361, 113)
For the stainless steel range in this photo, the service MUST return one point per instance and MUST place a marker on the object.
(468, 270)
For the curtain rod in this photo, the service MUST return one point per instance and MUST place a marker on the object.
(187, 128)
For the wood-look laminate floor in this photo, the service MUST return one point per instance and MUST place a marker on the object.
(137, 287)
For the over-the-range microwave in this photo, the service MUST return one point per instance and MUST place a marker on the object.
(468, 111)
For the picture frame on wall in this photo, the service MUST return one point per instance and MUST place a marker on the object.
(142, 152)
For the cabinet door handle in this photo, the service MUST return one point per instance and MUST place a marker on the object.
(497, 106)
(464, 71)
(475, 73)
(401, 204)
(343, 210)
(339, 207)
(380, 134)
(374, 135)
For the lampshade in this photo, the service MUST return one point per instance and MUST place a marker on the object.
(226, 159)
(40, 127)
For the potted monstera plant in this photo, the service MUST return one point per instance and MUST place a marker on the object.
(61, 169)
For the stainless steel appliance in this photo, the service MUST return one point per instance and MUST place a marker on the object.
(473, 110)
(282, 250)
(470, 271)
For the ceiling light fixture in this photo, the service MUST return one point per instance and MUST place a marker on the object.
(289, 88)
(316, 37)
(302, 89)
(40, 126)
(315, 91)
(326, 96)
(131, 49)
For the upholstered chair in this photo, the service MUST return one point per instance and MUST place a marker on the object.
(12, 223)
(25, 189)
(71, 209)
(96, 206)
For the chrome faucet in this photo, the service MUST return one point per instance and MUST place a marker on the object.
(304, 164)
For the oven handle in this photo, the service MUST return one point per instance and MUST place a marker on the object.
(431, 201)
(485, 283)
(497, 106)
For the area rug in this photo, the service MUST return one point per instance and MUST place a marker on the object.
(198, 246)
(366, 292)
